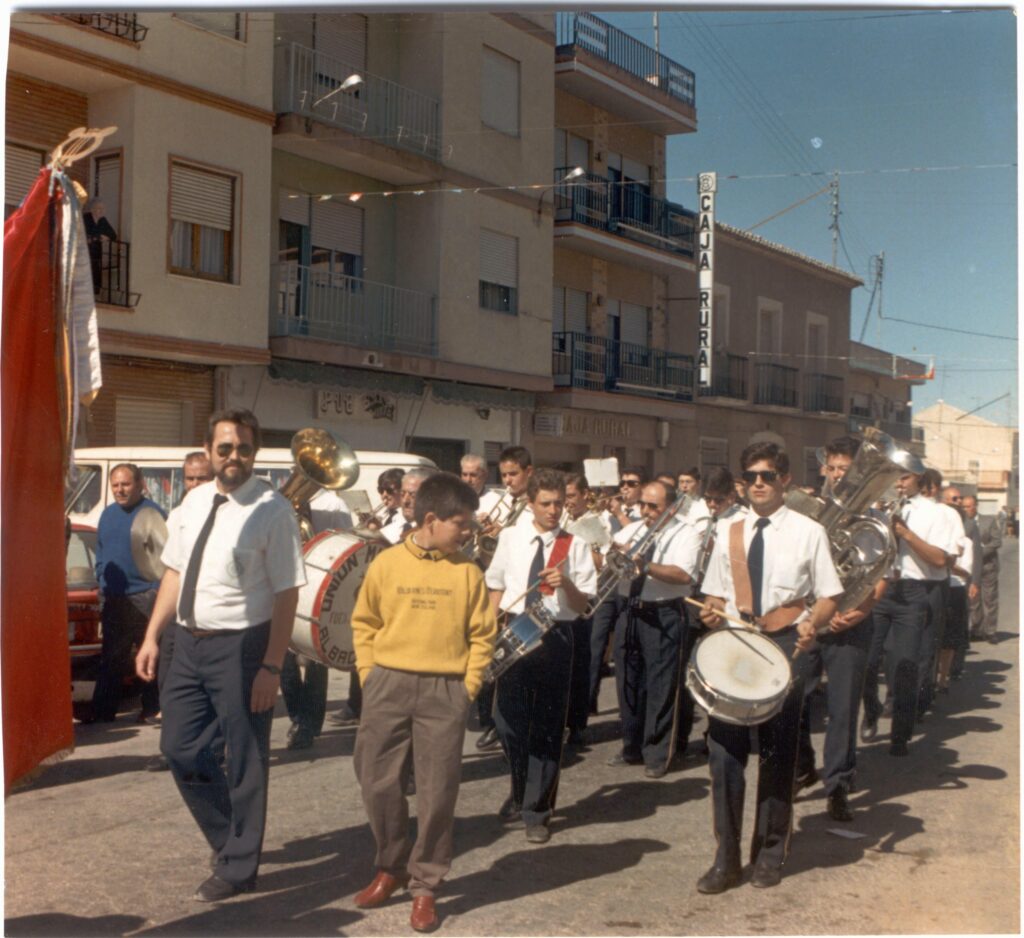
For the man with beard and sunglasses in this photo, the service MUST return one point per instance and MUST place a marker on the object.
(774, 568)
(234, 568)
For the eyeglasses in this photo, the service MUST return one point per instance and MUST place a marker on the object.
(715, 499)
(768, 476)
(630, 483)
(386, 491)
(245, 450)
(654, 506)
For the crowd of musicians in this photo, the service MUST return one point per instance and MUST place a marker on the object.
(641, 576)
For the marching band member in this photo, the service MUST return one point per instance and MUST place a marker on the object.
(689, 482)
(648, 641)
(423, 630)
(405, 520)
(474, 474)
(626, 507)
(771, 567)
(955, 636)
(538, 562)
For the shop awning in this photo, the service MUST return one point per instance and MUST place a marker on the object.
(477, 395)
(296, 372)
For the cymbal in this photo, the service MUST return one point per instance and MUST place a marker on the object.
(148, 536)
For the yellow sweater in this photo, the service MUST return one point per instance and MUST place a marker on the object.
(419, 610)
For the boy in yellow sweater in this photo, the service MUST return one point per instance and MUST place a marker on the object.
(424, 631)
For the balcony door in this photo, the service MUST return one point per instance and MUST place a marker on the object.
(339, 41)
(630, 191)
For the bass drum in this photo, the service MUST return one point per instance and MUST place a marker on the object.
(739, 676)
(336, 563)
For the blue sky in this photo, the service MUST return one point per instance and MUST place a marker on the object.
(871, 93)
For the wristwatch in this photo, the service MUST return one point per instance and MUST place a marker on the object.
(272, 668)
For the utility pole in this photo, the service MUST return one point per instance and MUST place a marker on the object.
(657, 37)
(834, 208)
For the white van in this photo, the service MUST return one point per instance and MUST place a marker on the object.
(164, 480)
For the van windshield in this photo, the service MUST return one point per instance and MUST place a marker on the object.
(81, 495)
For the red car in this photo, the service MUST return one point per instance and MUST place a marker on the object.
(84, 635)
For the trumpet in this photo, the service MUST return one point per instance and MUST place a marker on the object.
(481, 545)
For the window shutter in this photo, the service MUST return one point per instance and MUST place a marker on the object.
(107, 188)
(575, 311)
(579, 152)
(338, 227)
(561, 157)
(342, 36)
(148, 422)
(499, 105)
(202, 198)
(714, 453)
(22, 167)
(293, 207)
(558, 310)
(634, 170)
(499, 258)
(225, 24)
(634, 324)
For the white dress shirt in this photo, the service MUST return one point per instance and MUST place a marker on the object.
(253, 553)
(510, 570)
(965, 562)
(937, 525)
(488, 499)
(797, 561)
(328, 512)
(393, 531)
(676, 545)
(698, 511)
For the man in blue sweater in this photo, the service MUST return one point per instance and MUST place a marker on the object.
(127, 597)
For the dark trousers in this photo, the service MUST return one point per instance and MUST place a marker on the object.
(532, 697)
(355, 694)
(879, 629)
(305, 695)
(955, 636)
(729, 747)
(693, 632)
(124, 620)
(938, 602)
(601, 628)
(485, 706)
(842, 657)
(902, 613)
(579, 684)
(647, 648)
(208, 690)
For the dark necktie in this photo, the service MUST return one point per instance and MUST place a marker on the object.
(536, 566)
(755, 563)
(637, 586)
(188, 586)
(406, 528)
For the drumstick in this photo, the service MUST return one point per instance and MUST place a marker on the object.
(746, 625)
(533, 586)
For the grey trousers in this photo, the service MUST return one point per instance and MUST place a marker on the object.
(985, 609)
(427, 712)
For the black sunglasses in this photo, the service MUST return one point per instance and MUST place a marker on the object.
(245, 450)
(631, 483)
(767, 476)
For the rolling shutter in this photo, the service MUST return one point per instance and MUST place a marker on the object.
(293, 207)
(224, 24)
(638, 172)
(202, 198)
(342, 36)
(148, 422)
(575, 311)
(499, 258)
(22, 165)
(337, 227)
(107, 187)
(499, 100)
(634, 324)
(579, 152)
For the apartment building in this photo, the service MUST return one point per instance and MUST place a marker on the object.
(181, 289)
(880, 387)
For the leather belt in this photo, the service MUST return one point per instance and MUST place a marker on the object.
(209, 633)
(643, 604)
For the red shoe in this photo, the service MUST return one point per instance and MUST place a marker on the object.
(424, 915)
(383, 887)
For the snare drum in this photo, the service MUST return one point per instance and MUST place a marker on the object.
(738, 676)
(336, 563)
(521, 636)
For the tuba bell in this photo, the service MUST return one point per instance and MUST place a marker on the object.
(321, 462)
(862, 545)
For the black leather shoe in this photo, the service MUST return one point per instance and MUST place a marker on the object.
(488, 739)
(620, 759)
(805, 780)
(577, 739)
(766, 875)
(216, 889)
(655, 771)
(299, 737)
(158, 764)
(344, 717)
(838, 807)
(511, 815)
(538, 834)
(887, 709)
(868, 729)
(899, 749)
(718, 879)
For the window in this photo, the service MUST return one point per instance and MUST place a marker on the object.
(817, 342)
(812, 467)
(106, 186)
(231, 25)
(569, 310)
(336, 235)
(499, 272)
(635, 324)
(499, 92)
(571, 151)
(713, 453)
(22, 165)
(860, 404)
(769, 327)
(202, 222)
(720, 319)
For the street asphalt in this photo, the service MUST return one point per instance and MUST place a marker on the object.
(99, 846)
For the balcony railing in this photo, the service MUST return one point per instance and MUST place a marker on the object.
(624, 209)
(111, 268)
(823, 394)
(596, 363)
(310, 83)
(728, 377)
(332, 306)
(593, 35)
(897, 429)
(122, 25)
(775, 384)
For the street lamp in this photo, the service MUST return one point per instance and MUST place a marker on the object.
(573, 173)
(353, 81)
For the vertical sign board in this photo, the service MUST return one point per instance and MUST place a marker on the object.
(707, 184)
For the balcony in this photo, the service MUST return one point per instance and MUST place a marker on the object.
(625, 211)
(897, 429)
(111, 266)
(325, 305)
(121, 25)
(823, 394)
(599, 63)
(775, 385)
(377, 114)
(728, 377)
(595, 363)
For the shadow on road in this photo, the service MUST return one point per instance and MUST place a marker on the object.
(58, 923)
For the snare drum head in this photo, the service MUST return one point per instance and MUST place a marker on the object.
(735, 666)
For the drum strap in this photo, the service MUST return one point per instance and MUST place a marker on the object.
(740, 570)
(559, 551)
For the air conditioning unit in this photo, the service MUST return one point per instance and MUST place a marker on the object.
(373, 360)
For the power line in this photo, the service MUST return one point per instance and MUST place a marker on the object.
(931, 325)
